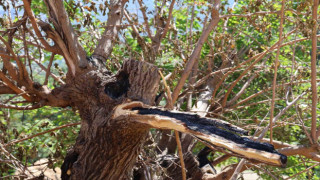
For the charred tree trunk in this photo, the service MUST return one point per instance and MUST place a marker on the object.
(107, 147)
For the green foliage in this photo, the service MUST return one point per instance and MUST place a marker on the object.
(53, 145)
(234, 40)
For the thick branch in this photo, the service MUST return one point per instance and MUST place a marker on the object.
(23, 73)
(212, 131)
(163, 33)
(70, 45)
(12, 70)
(12, 86)
(105, 45)
(196, 52)
(146, 21)
(36, 28)
(6, 90)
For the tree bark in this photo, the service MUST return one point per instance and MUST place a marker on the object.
(107, 147)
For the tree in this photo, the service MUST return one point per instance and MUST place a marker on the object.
(116, 98)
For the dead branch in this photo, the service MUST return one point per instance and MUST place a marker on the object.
(212, 131)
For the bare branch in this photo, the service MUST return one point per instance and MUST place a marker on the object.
(146, 22)
(68, 41)
(56, 78)
(6, 90)
(183, 167)
(48, 70)
(36, 28)
(29, 107)
(105, 45)
(12, 86)
(41, 133)
(258, 57)
(12, 70)
(163, 33)
(262, 13)
(23, 73)
(265, 90)
(242, 90)
(140, 40)
(314, 72)
(276, 64)
(196, 52)
(307, 169)
(282, 111)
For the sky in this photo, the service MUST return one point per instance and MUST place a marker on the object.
(133, 7)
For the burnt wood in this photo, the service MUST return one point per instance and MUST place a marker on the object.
(213, 127)
(117, 112)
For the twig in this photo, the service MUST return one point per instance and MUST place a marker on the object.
(220, 159)
(183, 169)
(169, 103)
(56, 78)
(238, 169)
(29, 107)
(282, 111)
(168, 20)
(259, 13)
(41, 133)
(314, 72)
(48, 69)
(265, 170)
(12, 86)
(258, 56)
(265, 90)
(274, 84)
(303, 126)
(303, 171)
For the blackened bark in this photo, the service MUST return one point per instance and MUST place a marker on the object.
(107, 147)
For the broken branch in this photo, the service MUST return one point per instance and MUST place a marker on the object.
(216, 133)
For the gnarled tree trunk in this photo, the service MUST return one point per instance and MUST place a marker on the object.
(107, 147)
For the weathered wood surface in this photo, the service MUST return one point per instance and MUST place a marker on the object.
(117, 112)
(213, 131)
